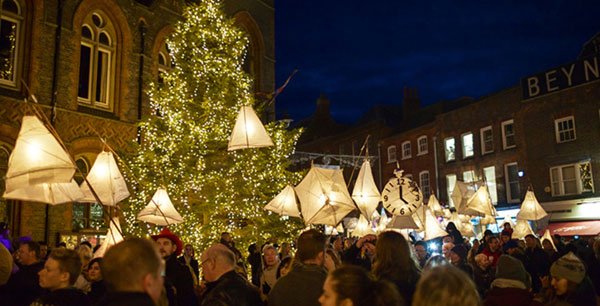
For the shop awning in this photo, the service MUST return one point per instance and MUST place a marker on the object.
(580, 228)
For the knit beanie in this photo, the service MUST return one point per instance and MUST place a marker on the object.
(569, 267)
(460, 250)
(509, 267)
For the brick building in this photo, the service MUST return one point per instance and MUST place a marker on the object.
(89, 63)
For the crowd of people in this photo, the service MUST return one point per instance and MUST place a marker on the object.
(315, 269)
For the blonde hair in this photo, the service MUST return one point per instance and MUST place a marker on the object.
(446, 285)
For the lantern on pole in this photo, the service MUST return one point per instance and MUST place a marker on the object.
(433, 228)
(435, 206)
(365, 193)
(522, 229)
(363, 227)
(531, 208)
(285, 203)
(106, 180)
(248, 131)
(113, 236)
(160, 210)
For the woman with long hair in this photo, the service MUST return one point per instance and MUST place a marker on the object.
(394, 262)
(446, 285)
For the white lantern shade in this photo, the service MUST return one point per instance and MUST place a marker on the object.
(462, 193)
(324, 198)
(285, 203)
(107, 181)
(433, 228)
(365, 192)
(467, 229)
(435, 206)
(53, 194)
(363, 227)
(508, 220)
(531, 208)
(487, 219)
(481, 202)
(160, 210)
(248, 131)
(522, 229)
(549, 237)
(113, 236)
(402, 222)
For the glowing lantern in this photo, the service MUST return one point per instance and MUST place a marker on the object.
(547, 236)
(531, 208)
(508, 220)
(481, 202)
(248, 131)
(462, 193)
(402, 222)
(365, 193)
(522, 229)
(433, 228)
(363, 227)
(106, 180)
(113, 236)
(487, 219)
(285, 203)
(160, 210)
(324, 198)
(435, 206)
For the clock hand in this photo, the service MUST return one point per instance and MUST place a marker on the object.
(400, 196)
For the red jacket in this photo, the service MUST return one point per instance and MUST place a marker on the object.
(492, 256)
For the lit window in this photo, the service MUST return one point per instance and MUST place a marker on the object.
(511, 173)
(490, 179)
(449, 148)
(571, 179)
(469, 176)
(450, 181)
(391, 154)
(467, 142)
(565, 129)
(424, 183)
(487, 140)
(96, 62)
(508, 134)
(10, 40)
(422, 142)
(86, 215)
(406, 150)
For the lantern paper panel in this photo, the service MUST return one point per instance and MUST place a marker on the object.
(113, 236)
(363, 228)
(106, 180)
(531, 208)
(549, 237)
(365, 192)
(433, 229)
(435, 206)
(402, 222)
(248, 131)
(53, 194)
(160, 210)
(481, 202)
(462, 193)
(522, 229)
(285, 203)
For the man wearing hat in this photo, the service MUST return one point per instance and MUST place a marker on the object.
(512, 284)
(177, 275)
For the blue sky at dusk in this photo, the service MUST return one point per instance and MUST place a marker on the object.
(360, 53)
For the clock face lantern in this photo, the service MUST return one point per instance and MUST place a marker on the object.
(401, 196)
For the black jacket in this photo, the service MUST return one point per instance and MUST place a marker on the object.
(63, 297)
(353, 256)
(302, 286)
(126, 299)
(23, 287)
(98, 292)
(179, 276)
(231, 289)
(483, 279)
(538, 265)
(193, 264)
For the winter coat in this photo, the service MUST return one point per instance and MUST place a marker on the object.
(126, 299)
(483, 278)
(23, 287)
(193, 265)
(97, 292)
(179, 276)
(538, 265)
(231, 289)
(302, 286)
(63, 297)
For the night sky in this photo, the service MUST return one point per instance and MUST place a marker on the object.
(361, 53)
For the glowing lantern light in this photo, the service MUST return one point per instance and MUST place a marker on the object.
(402, 222)
(160, 210)
(248, 131)
(113, 236)
(106, 180)
(365, 193)
(435, 206)
(363, 227)
(285, 203)
(433, 228)
(531, 208)
(547, 236)
(508, 220)
(522, 229)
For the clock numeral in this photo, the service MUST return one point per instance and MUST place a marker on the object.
(417, 198)
(385, 198)
(402, 211)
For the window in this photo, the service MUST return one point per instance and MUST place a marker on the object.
(86, 215)
(487, 140)
(469, 176)
(511, 173)
(571, 179)
(424, 183)
(508, 134)
(96, 62)
(450, 181)
(391, 154)
(449, 149)
(164, 62)
(422, 145)
(565, 129)
(406, 150)
(10, 40)
(467, 145)
(490, 179)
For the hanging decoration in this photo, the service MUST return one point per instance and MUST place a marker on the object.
(285, 203)
(549, 237)
(401, 195)
(106, 180)
(508, 220)
(462, 193)
(248, 131)
(435, 206)
(402, 222)
(363, 227)
(433, 229)
(113, 236)
(522, 229)
(365, 193)
(531, 208)
(160, 210)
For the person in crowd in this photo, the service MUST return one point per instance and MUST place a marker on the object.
(284, 267)
(538, 262)
(255, 261)
(43, 251)
(446, 248)
(286, 250)
(560, 244)
(486, 235)
(331, 260)
(61, 245)
(338, 245)
(569, 284)
(483, 275)
(550, 251)
(435, 261)
(445, 285)
(6, 266)
(305, 281)
(505, 237)
(492, 250)
(458, 258)
(225, 286)
(453, 231)
(58, 276)
(362, 252)
(594, 267)
(190, 262)
(227, 240)
(421, 252)
(85, 254)
(179, 282)
(473, 252)
(23, 287)
(269, 273)
(394, 263)
(352, 285)
(511, 286)
(98, 287)
(507, 230)
(133, 269)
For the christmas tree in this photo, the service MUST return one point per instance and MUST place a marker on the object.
(184, 149)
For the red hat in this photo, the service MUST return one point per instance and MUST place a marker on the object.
(166, 233)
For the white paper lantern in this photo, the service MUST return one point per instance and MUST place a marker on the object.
(160, 210)
(248, 131)
(113, 236)
(285, 203)
(531, 208)
(365, 192)
(106, 180)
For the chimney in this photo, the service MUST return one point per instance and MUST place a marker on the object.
(323, 106)
(411, 102)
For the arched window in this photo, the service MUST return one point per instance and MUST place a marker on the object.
(96, 62)
(164, 61)
(11, 20)
(86, 215)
